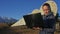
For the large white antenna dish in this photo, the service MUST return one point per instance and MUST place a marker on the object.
(53, 6)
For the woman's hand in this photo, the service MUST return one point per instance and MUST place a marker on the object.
(37, 28)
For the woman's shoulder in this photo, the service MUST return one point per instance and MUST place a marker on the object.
(51, 14)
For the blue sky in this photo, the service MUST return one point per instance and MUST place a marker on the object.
(17, 8)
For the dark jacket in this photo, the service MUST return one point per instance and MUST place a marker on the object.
(49, 20)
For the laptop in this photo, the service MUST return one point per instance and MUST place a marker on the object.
(33, 20)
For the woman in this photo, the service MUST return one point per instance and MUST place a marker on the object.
(49, 20)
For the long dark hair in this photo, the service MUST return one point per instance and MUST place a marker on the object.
(46, 4)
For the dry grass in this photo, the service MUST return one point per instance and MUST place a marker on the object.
(3, 25)
(20, 30)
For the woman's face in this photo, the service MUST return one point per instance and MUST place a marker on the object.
(45, 9)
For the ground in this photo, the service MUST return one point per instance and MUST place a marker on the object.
(20, 30)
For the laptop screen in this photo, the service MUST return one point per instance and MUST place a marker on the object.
(33, 20)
